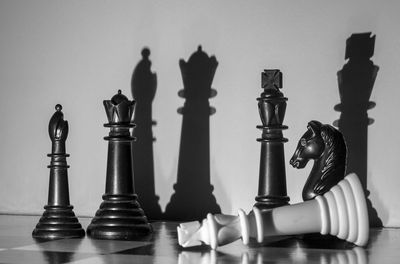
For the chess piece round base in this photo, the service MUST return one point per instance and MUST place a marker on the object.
(58, 222)
(268, 202)
(119, 218)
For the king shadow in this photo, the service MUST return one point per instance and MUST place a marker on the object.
(356, 80)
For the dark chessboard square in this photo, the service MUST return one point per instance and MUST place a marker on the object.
(85, 246)
(127, 259)
(12, 256)
(9, 242)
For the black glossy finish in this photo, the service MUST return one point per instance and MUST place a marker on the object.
(356, 80)
(272, 179)
(58, 219)
(193, 197)
(120, 215)
(326, 146)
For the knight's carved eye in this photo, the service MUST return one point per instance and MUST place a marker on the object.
(303, 142)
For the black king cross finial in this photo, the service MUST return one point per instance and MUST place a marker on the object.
(272, 177)
(271, 82)
(58, 220)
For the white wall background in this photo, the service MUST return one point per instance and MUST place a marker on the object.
(78, 53)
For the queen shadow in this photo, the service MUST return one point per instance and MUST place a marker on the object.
(193, 197)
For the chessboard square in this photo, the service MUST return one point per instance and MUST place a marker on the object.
(127, 259)
(85, 246)
(160, 248)
(17, 225)
(9, 242)
(12, 256)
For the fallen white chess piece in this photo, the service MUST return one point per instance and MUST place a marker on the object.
(341, 212)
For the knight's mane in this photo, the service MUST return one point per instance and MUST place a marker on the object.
(336, 150)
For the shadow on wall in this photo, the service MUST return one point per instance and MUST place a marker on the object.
(193, 197)
(144, 86)
(356, 80)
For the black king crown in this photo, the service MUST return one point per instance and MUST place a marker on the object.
(120, 215)
(272, 106)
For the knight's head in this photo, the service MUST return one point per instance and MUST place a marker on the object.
(311, 146)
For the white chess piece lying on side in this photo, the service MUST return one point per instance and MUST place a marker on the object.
(341, 212)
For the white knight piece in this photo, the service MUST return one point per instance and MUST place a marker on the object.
(341, 212)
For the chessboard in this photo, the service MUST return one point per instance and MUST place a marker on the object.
(18, 246)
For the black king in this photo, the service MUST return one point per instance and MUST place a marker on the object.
(272, 179)
(120, 215)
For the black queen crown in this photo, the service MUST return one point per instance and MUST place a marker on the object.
(120, 110)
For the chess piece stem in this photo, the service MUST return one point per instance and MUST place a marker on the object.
(120, 215)
(341, 212)
(58, 220)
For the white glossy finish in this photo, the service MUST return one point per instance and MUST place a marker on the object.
(344, 211)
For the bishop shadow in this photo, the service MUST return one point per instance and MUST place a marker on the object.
(193, 197)
(144, 86)
(356, 80)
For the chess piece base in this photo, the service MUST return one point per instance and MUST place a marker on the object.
(269, 202)
(119, 218)
(58, 222)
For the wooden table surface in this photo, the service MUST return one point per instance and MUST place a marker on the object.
(18, 246)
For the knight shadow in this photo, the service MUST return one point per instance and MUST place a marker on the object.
(193, 197)
(144, 86)
(356, 80)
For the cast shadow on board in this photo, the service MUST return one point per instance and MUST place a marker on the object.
(356, 80)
